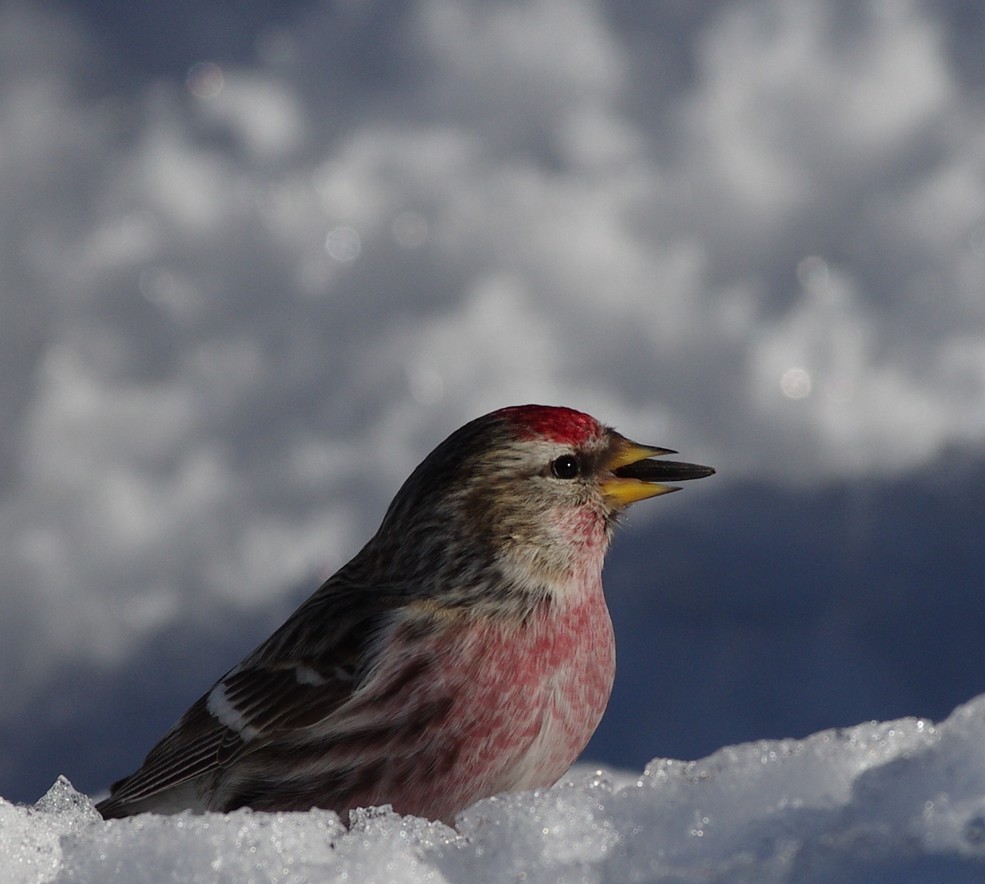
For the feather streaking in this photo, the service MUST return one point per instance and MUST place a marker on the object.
(466, 650)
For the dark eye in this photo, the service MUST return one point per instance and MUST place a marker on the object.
(566, 467)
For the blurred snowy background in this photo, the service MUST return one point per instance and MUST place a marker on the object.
(257, 258)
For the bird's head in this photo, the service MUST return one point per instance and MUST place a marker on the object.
(531, 490)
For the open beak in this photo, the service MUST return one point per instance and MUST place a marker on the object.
(635, 475)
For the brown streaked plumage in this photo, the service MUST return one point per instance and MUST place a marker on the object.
(466, 650)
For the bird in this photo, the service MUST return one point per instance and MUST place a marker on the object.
(465, 651)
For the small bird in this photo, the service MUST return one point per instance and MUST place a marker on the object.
(467, 650)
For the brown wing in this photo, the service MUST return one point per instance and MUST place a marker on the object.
(301, 675)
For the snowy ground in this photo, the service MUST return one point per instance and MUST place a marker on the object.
(893, 801)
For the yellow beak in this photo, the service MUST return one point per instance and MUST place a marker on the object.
(633, 475)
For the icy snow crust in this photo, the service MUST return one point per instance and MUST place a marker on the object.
(900, 801)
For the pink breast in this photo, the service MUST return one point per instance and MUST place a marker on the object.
(524, 701)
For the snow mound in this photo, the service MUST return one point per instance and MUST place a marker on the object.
(900, 801)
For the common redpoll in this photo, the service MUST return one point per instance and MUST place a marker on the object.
(466, 650)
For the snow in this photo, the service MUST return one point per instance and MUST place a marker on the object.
(901, 801)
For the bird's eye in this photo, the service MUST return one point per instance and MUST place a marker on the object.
(566, 467)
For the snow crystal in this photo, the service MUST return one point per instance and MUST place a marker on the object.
(901, 801)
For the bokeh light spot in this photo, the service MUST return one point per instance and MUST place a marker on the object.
(205, 79)
(156, 284)
(343, 244)
(795, 383)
